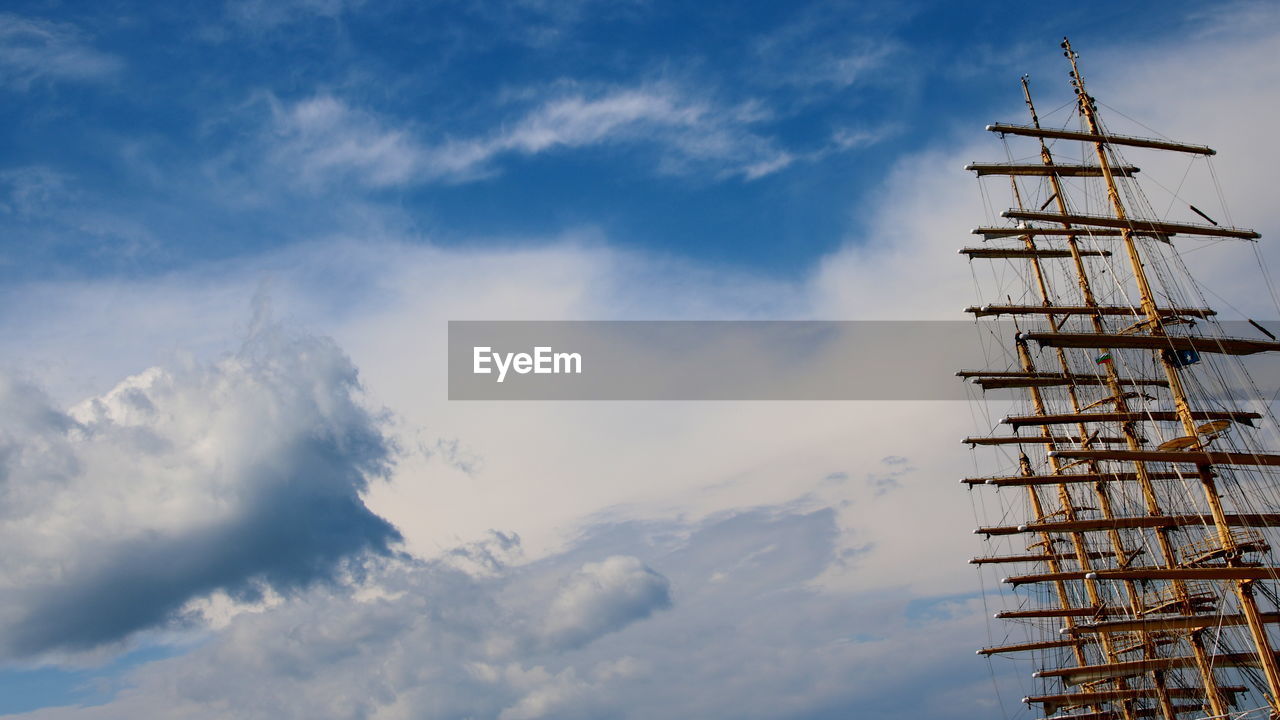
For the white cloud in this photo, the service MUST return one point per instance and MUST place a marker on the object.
(444, 644)
(829, 47)
(324, 139)
(851, 138)
(544, 467)
(926, 205)
(263, 15)
(32, 190)
(602, 597)
(690, 132)
(854, 66)
(34, 50)
(243, 476)
(810, 607)
(544, 23)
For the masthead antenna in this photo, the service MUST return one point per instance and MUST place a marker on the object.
(1026, 93)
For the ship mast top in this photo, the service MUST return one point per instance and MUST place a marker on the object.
(1026, 93)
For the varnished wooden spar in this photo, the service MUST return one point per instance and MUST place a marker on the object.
(1060, 613)
(1195, 573)
(1009, 374)
(1006, 373)
(1077, 378)
(1213, 572)
(1164, 624)
(995, 233)
(1178, 709)
(1018, 421)
(1032, 646)
(1032, 440)
(989, 310)
(1144, 521)
(1090, 673)
(1002, 253)
(1129, 140)
(1025, 480)
(1053, 703)
(1225, 346)
(1042, 170)
(1190, 457)
(1068, 575)
(1157, 226)
(1040, 557)
(993, 381)
(1013, 383)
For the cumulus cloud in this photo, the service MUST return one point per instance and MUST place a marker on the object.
(602, 597)
(926, 202)
(743, 635)
(528, 468)
(324, 139)
(33, 50)
(243, 476)
(755, 615)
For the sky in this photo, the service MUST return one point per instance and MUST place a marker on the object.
(231, 236)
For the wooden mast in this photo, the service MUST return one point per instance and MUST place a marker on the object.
(1205, 669)
(1083, 556)
(1244, 588)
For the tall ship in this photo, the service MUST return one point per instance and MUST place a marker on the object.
(1129, 503)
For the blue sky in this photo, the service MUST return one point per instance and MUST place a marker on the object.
(140, 138)
(231, 235)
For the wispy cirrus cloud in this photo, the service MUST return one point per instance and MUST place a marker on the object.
(542, 23)
(34, 50)
(845, 68)
(264, 15)
(31, 190)
(324, 139)
(822, 49)
(690, 134)
(853, 138)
